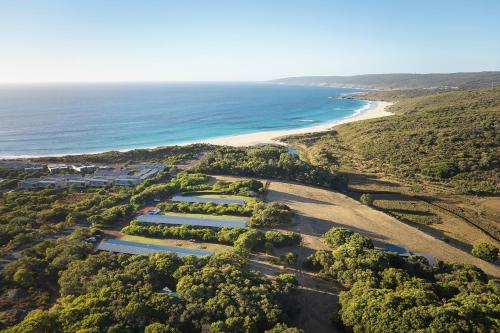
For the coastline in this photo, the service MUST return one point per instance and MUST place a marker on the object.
(376, 109)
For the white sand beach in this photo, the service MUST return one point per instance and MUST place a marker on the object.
(377, 109)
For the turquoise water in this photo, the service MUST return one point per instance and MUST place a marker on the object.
(82, 118)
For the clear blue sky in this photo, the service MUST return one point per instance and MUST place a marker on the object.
(184, 40)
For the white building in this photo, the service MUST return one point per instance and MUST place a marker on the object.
(82, 167)
(54, 168)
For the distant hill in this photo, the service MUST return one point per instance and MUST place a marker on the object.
(401, 81)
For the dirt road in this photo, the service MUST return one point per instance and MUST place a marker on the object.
(318, 210)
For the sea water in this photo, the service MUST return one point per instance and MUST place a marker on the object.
(55, 119)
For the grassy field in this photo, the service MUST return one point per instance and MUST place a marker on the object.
(433, 165)
(177, 242)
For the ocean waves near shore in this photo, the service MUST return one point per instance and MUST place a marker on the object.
(40, 120)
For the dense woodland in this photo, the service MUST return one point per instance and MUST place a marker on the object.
(269, 162)
(450, 137)
(168, 154)
(119, 293)
(389, 293)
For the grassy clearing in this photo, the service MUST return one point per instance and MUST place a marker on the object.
(408, 211)
(177, 242)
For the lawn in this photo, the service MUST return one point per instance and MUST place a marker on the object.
(177, 242)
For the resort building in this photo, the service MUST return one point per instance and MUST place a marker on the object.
(54, 168)
(131, 176)
(82, 167)
(20, 165)
(120, 246)
(202, 199)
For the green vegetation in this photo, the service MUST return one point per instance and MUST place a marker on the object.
(367, 199)
(451, 138)
(268, 162)
(272, 215)
(10, 178)
(485, 251)
(118, 293)
(210, 208)
(169, 155)
(29, 280)
(182, 182)
(388, 293)
(241, 238)
(290, 258)
(245, 187)
(28, 217)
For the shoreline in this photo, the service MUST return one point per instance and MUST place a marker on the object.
(375, 109)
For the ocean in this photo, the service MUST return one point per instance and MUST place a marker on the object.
(56, 119)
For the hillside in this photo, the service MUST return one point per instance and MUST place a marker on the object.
(434, 164)
(450, 137)
(400, 80)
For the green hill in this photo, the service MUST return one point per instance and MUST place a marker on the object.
(401, 80)
(448, 137)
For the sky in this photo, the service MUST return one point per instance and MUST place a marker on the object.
(235, 40)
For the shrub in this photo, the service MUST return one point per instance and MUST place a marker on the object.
(367, 199)
(336, 237)
(290, 258)
(485, 251)
(273, 215)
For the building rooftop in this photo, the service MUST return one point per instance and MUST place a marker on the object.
(181, 198)
(192, 221)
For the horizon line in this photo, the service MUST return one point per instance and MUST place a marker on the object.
(227, 81)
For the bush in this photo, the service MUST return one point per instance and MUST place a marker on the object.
(290, 258)
(367, 199)
(336, 237)
(485, 251)
(273, 215)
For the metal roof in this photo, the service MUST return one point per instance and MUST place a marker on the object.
(121, 246)
(207, 199)
(193, 221)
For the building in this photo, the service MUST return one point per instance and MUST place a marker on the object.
(127, 181)
(204, 199)
(191, 221)
(102, 177)
(83, 167)
(20, 165)
(29, 184)
(121, 246)
(55, 168)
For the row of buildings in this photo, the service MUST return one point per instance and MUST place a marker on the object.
(52, 168)
(129, 176)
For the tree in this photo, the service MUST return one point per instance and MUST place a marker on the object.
(485, 251)
(159, 328)
(290, 258)
(283, 328)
